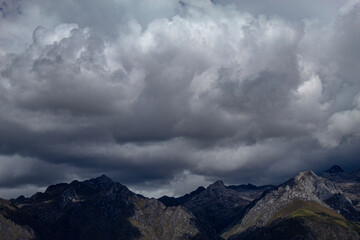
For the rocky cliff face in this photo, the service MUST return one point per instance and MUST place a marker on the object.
(306, 186)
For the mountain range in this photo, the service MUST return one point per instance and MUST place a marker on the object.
(307, 206)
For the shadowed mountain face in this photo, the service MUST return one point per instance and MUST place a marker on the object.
(97, 209)
(348, 182)
(307, 206)
(172, 201)
(217, 206)
(79, 210)
(336, 169)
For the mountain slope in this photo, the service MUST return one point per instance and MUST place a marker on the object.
(154, 219)
(10, 230)
(303, 220)
(306, 186)
(217, 206)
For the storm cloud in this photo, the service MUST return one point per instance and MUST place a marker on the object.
(167, 95)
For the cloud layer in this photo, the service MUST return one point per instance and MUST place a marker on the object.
(169, 95)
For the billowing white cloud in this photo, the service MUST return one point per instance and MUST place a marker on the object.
(342, 126)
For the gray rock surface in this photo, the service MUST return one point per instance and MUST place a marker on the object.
(305, 186)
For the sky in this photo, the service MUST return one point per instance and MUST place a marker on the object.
(164, 96)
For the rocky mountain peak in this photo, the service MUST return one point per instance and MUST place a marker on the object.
(217, 184)
(310, 187)
(217, 205)
(102, 179)
(306, 176)
(338, 175)
(102, 182)
(335, 169)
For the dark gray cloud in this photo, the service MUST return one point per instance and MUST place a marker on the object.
(291, 9)
(164, 96)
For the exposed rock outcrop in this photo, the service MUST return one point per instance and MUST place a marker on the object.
(306, 186)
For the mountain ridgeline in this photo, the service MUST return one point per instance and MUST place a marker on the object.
(308, 206)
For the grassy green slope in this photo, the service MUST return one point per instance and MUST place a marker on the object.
(305, 210)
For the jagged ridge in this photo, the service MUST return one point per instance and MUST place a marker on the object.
(305, 207)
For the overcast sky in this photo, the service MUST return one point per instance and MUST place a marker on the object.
(167, 95)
